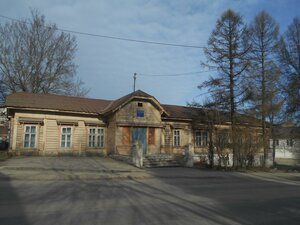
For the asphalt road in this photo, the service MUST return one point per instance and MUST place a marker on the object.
(174, 196)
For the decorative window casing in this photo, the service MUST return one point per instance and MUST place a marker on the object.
(201, 138)
(30, 136)
(96, 137)
(66, 137)
(176, 136)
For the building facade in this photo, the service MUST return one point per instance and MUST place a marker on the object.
(47, 124)
(287, 145)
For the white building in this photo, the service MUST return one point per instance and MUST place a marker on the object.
(287, 145)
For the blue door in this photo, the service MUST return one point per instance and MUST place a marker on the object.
(139, 134)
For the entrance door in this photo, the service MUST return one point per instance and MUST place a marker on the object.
(140, 134)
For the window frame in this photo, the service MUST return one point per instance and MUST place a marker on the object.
(30, 136)
(290, 142)
(61, 137)
(140, 113)
(99, 137)
(176, 138)
(201, 140)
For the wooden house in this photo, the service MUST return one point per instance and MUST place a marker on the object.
(48, 124)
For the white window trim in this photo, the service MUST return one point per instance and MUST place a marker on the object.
(36, 136)
(201, 138)
(71, 139)
(179, 138)
(96, 137)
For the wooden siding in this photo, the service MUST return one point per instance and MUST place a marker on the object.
(52, 138)
(49, 133)
(126, 136)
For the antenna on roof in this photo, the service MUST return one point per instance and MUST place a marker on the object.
(134, 79)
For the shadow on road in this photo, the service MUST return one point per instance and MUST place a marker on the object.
(240, 199)
(11, 210)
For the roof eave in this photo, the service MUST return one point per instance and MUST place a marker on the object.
(52, 110)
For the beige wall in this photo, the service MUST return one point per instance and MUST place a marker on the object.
(111, 135)
(49, 133)
(126, 117)
(128, 113)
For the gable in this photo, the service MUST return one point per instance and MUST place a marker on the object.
(137, 95)
(139, 111)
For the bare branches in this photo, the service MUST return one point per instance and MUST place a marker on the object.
(289, 55)
(227, 48)
(35, 57)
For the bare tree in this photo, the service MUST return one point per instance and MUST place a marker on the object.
(263, 72)
(221, 143)
(289, 54)
(227, 50)
(36, 57)
(249, 142)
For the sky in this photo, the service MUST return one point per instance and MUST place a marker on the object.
(107, 66)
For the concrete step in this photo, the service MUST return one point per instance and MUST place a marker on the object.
(161, 164)
(162, 160)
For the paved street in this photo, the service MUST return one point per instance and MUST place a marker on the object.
(166, 196)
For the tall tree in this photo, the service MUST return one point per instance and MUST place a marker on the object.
(289, 54)
(263, 33)
(227, 50)
(36, 57)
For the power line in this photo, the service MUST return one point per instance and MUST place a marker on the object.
(114, 37)
(176, 74)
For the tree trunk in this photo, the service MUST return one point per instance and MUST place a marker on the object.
(263, 102)
(232, 103)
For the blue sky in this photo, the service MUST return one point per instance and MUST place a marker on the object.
(107, 66)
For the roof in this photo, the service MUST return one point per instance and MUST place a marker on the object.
(203, 115)
(104, 107)
(287, 132)
(183, 112)
(56, 102)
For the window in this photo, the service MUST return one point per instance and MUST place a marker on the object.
(96, 137)
(140, 104)
(277, 142)
(126, 135)
(290, 142)
(176, 137)
(66, 133)
(151, 136)
(201, 138)
(30, 136)
(100, 137)
(140, 113)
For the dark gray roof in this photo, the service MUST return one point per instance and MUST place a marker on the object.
(287, 132)
(104, 107)
(56, 102)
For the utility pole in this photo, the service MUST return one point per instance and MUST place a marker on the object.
(134, 79)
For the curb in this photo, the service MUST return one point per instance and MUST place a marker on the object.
(71, 177)
(4, 168)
